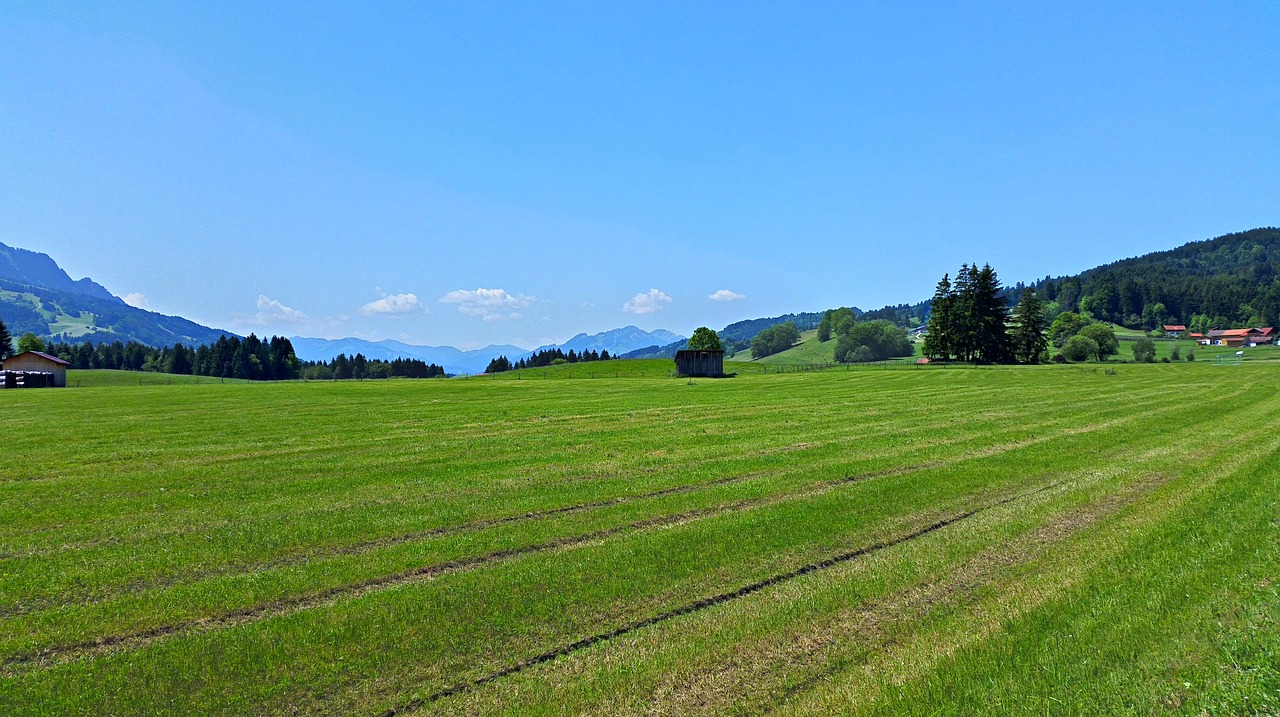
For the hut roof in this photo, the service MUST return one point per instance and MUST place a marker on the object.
(42, 355)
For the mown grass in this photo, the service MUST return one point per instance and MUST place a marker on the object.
(97, 378)
(516, 544)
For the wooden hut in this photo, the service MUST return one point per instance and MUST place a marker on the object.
(700, 363)
(39, 362)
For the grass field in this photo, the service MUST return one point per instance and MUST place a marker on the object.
(1045, 540)
(98, 378)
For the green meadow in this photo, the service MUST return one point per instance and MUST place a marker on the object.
(610, 539)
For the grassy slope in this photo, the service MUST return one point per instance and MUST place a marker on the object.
(353, 547)
(808, 351)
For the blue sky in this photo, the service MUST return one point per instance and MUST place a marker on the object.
(475, 173)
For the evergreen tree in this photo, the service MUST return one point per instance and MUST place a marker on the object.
(938, 340)
(6, 342)
(1029, 340)
(991, 318)
(341, 367)
(178, 361)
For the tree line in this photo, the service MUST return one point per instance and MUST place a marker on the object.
(1230, 281)
(250, 358)
(358, 367)
(546, 357)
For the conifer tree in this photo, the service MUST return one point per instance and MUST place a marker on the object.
(1029, 340)
(938, 340)
(990, 317)
(6, 342)
(963, 326)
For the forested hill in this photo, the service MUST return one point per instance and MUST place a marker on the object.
(1233, 280)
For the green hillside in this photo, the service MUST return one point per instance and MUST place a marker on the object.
(809, 351)
(65, 316)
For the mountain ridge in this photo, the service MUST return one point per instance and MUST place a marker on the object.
(32, 268)
(1230, 279)
(37, 296)
(457, 361)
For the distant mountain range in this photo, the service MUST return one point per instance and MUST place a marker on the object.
(457, 361)
(1230, 280)
(37, 296)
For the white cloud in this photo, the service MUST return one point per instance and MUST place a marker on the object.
(272, 311)
(488, 304)
(726, 295)
(137, 300)
(392, 304)
(648, 303)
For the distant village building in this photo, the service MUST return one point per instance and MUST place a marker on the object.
(1239, 338)
(1173, 331)
(34, 368)
(700, 363)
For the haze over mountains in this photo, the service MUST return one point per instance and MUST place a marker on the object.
(616, 342)
(1229, 280)
(37, 296)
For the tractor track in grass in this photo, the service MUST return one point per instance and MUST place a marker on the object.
(364, 547)
(56, 654)
(132, 640)
(1044, 433)
(134, 535)
(704, 604)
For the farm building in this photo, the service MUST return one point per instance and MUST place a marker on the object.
(1237, 338)
(700, 363)
(1173, 331)
(36, 362)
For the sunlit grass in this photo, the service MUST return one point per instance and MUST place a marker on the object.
(358, 546)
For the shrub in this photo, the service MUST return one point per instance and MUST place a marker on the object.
(1175, 354)
(1144, 350)
(1080, 348)
(1105, 337)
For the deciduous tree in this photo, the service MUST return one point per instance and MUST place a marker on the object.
(704, 339)
(30, 342)
(1144, 350)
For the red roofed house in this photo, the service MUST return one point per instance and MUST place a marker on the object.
(39, 362)
(1173, 331)
(1238, 338)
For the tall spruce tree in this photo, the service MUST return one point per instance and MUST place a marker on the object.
(6, 342)
(1029, 340)
(991, 318)
(964, 324)
(938, 343)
